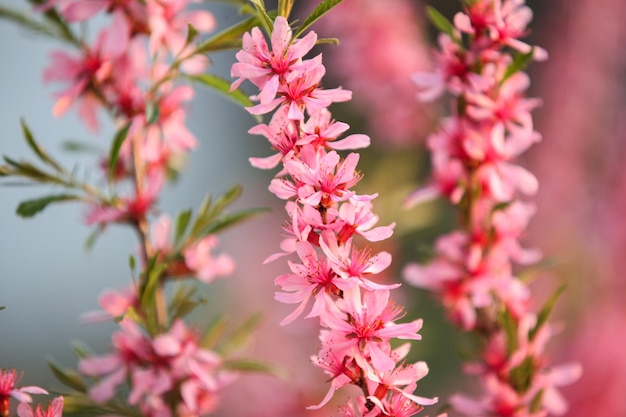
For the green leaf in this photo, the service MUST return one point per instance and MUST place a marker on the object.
(319, 11)
(181, 225)
(266, 20)
(192, 32)
(76, 146)
(92, 238)
(441, 22)
(28, 170)
(152, 112)
(284, 8)
(26, 22)
(222, 86)
(231, 219)
(545, 312)
(520, 62)
(69, 378)
(240, 337)
(522, 375)
(31, 207)
(32, 143)
(332, 41)
(250, 365)
(508, 324)
(182, 302)
(214, 332)
(116, 145)
(535, 404)
(208, 211)
(229, 38)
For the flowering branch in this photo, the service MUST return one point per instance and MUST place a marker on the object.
(326, 219)
(480, 64)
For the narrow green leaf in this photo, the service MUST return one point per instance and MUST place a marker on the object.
(332, 41)
(181, 225)
(229, 38)
(508, 323)
(69, 378)
(535, 404)
(152, 113)
(214, 332)
(183, 302)
(76, 146)
(250, 365)
(521, 376)
(231, 219)
(266, 20)
(28, 170)
(320, 10)
(32, 143)
(520, 62)
(2, 308)
(116, 145)
(441, 22)
(92, 238)
(545, 312)
(26, 22)
(192, 32)
(31, 207)
(222, 86)
(241, 336)
(208, 212)
(131, 262)
(284, 8)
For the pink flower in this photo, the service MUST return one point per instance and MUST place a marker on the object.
(55, 409)
(8, 388)
(267, 69)
(95, 67)
(207, 267)
(168, 21)
(368, 327)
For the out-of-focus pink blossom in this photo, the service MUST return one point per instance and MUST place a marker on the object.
(55, 409)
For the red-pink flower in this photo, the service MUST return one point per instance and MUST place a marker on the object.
(55, 409)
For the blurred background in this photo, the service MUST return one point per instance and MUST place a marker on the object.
(47, 278)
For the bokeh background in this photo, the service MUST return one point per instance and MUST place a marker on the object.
(47, 278)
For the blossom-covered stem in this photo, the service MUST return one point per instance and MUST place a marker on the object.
(326, 221)
(480, 65)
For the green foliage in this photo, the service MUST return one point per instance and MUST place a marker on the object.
(261, 11)
(31, 207)
(116, 145)
(38, 150)
(229, 38)
(521, 376)
(250, 365)
(520, 62)
(546, 310)
(284, 8)
(182, 302)
(68, 377)
(441, 22)
(222, 86)
(324, 7)
(510, 327)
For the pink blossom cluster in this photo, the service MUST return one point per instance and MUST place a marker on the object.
(9, 380)
(128, 71)
(326, 218)
(479, 64)
(170, 374)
